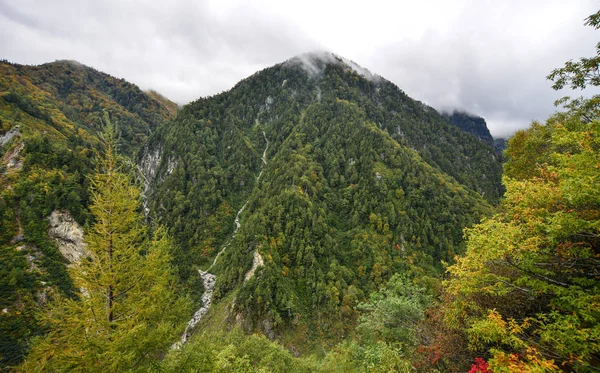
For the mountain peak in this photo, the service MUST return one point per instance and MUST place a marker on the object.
(315, 62)
(470, 123)
(71, 63)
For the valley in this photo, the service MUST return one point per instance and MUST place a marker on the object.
(311, 218)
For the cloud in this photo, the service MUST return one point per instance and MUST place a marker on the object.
(185, 50)
(489, 58)
(314, 64)
(495, 61)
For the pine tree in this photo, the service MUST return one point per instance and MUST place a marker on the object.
(128, 313)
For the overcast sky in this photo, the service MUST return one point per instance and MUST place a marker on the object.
(487, 57)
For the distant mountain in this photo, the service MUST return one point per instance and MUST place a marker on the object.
(472, 124)
(91, 98)
(500, 145)
(50, 119)
(329, 178)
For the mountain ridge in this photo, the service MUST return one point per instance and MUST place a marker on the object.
(51, 120)
(361, 181)
(349, 159)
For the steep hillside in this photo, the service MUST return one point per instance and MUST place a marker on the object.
(472, 124)
(90, 98)
(50, 116)
(335, 179)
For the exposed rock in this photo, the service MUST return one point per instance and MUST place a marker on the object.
(32, 256)
(12, 158)
(269, 329)
(171, 164)
(294, 351)
(12, 133)
(148, 167)
(19, 236)
(42, 297)
(256, 262)
(149, 164)
(68, 236)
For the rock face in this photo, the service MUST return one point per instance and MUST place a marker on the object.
(149, 165)
(256, 262)
(148, 168)
(68, 236)
(472, 124)
(5, 139)
(12, 158)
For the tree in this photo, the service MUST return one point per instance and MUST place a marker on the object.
(392, 314)
(127, 314)
(527, 290)
(584, 72)
(579, 75)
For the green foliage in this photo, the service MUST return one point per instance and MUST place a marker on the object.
(393, 313)
(526, 293)
(527, 288)
(341, 205)
(582, 73)
(18, 324)
(52, 178)
(362, 182)
(327, 242)
(233, 352)
(24, 104)
(128, 313)
(376, 357)
(56, 111)
(579, 75)
(236, 352)
(472, 124)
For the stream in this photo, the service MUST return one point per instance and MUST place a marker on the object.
(210, 279)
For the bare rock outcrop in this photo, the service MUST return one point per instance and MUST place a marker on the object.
(256, 262)
(8, 136)
(68, 236)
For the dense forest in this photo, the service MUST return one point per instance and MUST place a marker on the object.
(50, 119)
(316, 217)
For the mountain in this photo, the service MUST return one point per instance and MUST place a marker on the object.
(472, 124)
(50, 119)
(307, 185)
(500, 145)
(298, 192)
(90, 98)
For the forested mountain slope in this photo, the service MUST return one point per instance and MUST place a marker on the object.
(472, 124)
(358, 182)
(336, 177)
(89, 98)
(50, 117)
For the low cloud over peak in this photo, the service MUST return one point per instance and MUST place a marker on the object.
(490, 59)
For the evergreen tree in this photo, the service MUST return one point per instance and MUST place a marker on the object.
(128, 313)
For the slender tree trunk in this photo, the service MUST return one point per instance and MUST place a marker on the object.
(110, 287)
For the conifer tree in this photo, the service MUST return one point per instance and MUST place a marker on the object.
(128, 313)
